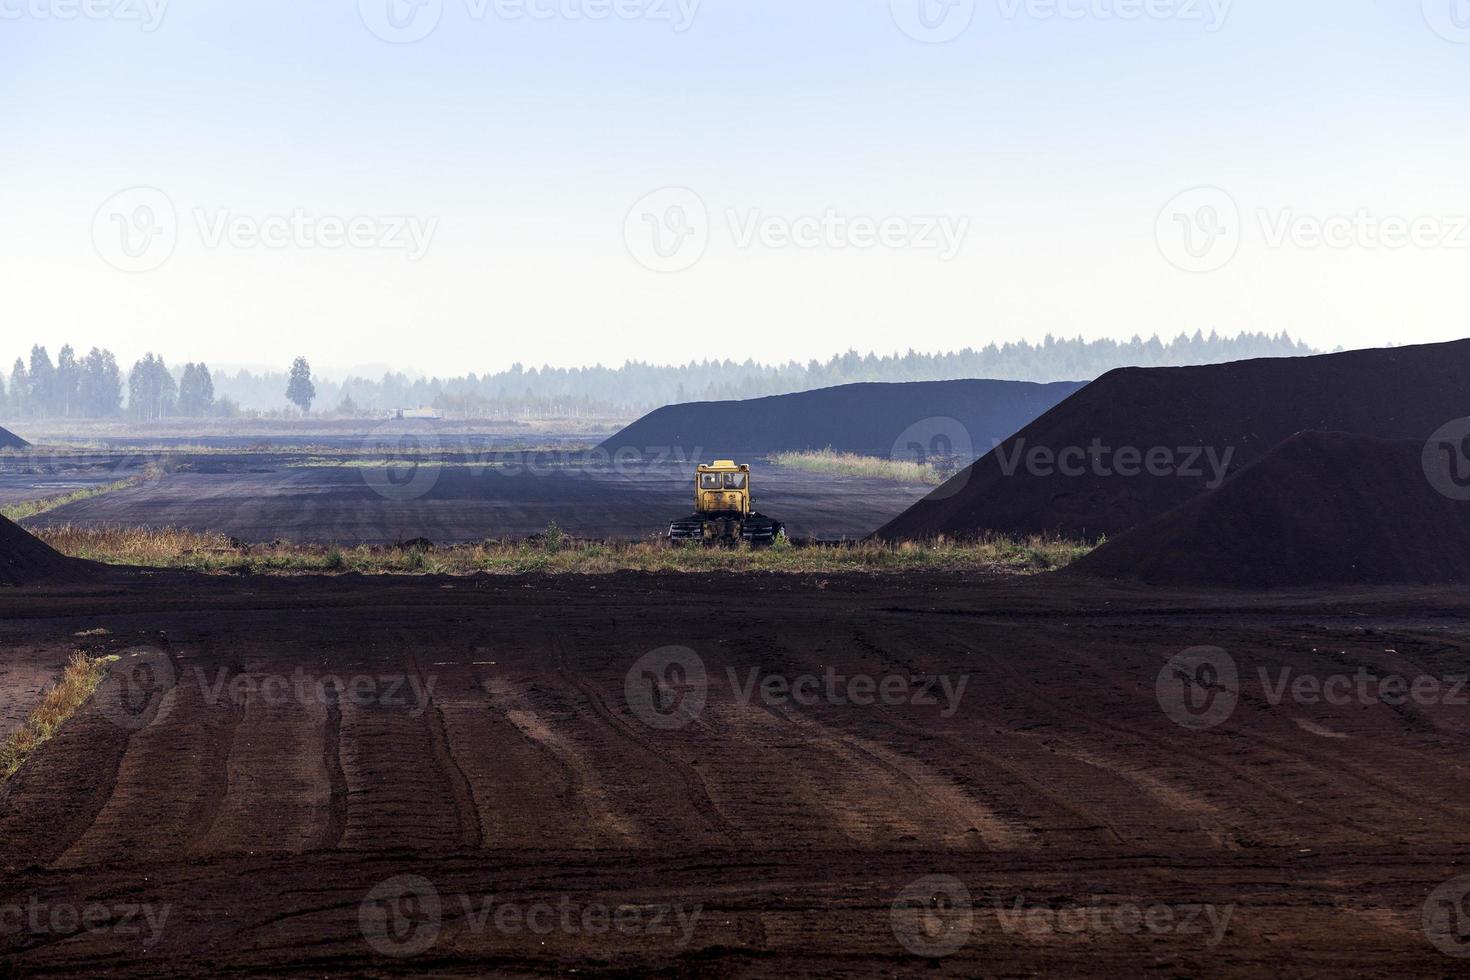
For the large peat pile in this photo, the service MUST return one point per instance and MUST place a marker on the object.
(869, 419)
(1321, 509)
(1140, 441)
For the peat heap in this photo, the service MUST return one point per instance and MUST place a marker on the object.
(1321, 509)
(1140, 441)
(869, 419)
(25, 560)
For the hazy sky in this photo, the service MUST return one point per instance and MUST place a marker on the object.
(575, 181)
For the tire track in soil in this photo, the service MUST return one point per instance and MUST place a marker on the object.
(1322, 769)
(602, 823)
(1209, 820)
(163, 801)
(398, 794)
(1172, 749)
(1086, 820)
(826, 915)
(276, 755)
(1446, 718)
(768, 785)
(466, 810)
(846, 766)
(790, 784)
(215, 776)
(50, 804)
(760, 783)
(54, 801)
(1425, 720)
(890, 817)
(1323, 766)
(693, 786)
(1057, 741)
(1102, 781)
(336, 818)
(1020, 786)
(1219, 826)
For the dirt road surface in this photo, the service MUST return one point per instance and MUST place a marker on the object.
(740, 776)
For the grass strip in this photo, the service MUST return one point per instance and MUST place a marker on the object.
(554, 553)
(30, 508)
(78, 681)
(867, 467)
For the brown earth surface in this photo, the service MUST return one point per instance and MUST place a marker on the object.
(27, 671)
(480, 787)
(1084, 469)
(1321, 509)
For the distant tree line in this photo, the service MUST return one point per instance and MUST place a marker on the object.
(93, 387)
(638, 387)
(156, 392)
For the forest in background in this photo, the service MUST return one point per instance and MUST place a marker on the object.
(93, 386)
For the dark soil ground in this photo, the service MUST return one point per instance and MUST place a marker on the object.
(453, 498)
(1077, 828)
(19, 487)
(920, 419)
(1235, 412)
(1323, 508)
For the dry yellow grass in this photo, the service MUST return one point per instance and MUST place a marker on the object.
(78, 681)
(554, 554)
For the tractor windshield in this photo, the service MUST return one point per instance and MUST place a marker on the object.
(709, 481)
(734, 481)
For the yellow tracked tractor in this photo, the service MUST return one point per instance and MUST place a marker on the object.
(722, 509)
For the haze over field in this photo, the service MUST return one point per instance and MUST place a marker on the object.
(93, 385)
(536, 184)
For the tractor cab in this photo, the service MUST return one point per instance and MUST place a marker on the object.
(722, 487)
